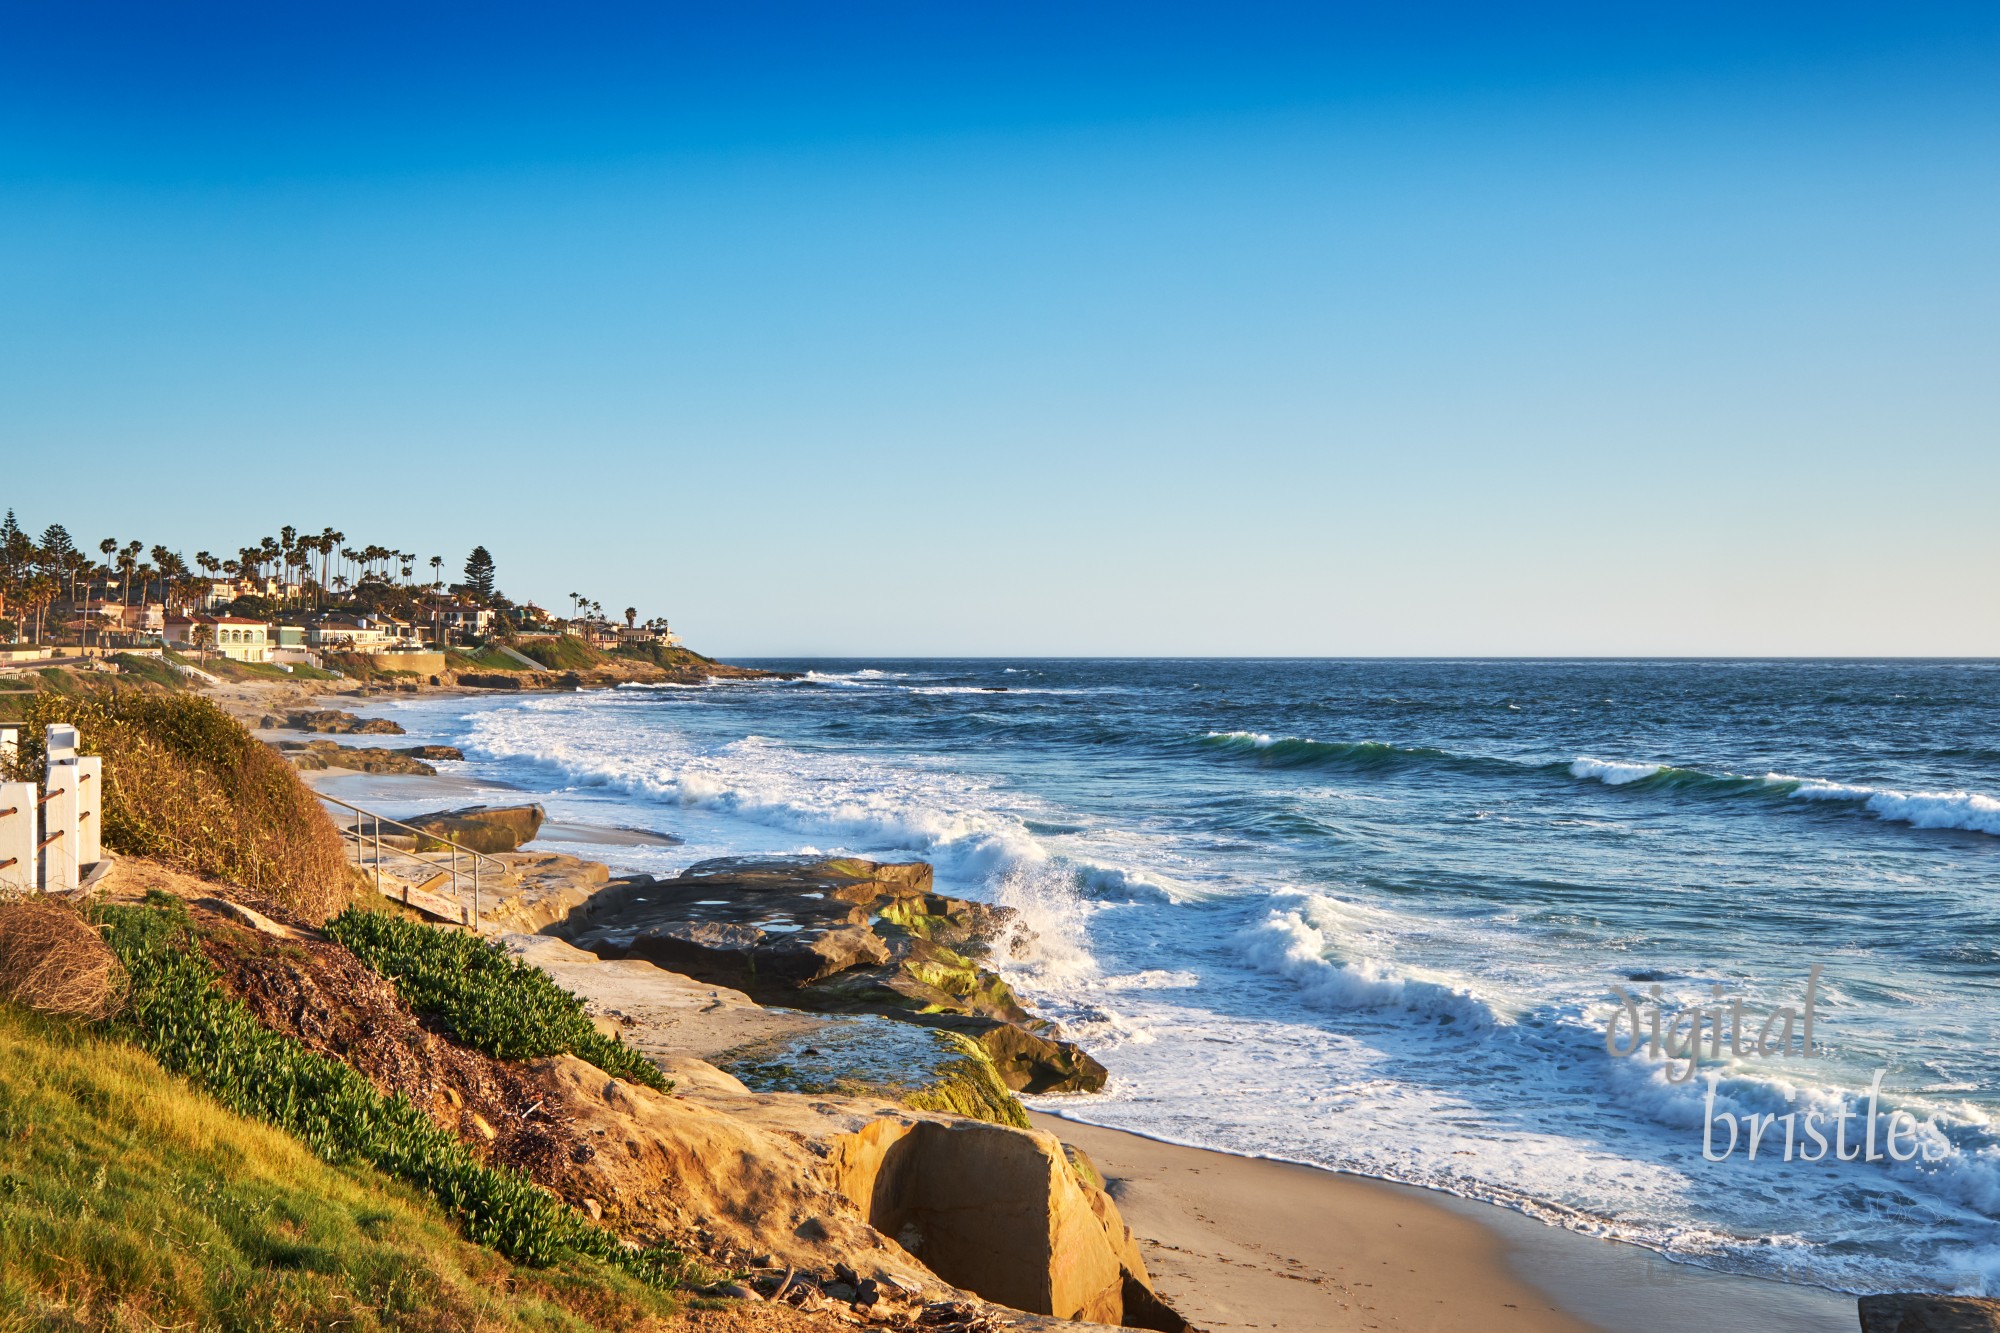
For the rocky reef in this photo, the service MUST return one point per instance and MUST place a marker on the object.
(332, 721)
(1917, 1313)
(317, 755)
(839, 936)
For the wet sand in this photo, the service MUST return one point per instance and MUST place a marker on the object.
(1242, 1243)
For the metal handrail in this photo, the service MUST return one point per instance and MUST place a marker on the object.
(450, 867)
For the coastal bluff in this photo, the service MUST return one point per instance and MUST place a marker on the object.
(854, 1205)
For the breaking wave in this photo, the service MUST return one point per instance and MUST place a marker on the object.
(1965, 811)
(1307, 939)
(961, 825)
(1299, 752)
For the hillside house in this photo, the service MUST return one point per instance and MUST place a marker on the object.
(234, 637)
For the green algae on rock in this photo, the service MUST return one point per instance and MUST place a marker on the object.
(840, 936)
(927, 1069)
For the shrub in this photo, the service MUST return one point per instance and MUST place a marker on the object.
(177, 1013)
(490, 1001)
(54, 962)
(185, 785)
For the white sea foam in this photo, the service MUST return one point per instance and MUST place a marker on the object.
(1304, 939)
(964, 826)
(1967, 811)
(1611, 772)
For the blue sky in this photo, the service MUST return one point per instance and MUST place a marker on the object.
(883, 329)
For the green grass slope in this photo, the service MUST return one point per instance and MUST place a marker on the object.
(130, 1200)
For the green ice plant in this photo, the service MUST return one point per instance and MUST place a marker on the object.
(178, 1013)
(489, 1001)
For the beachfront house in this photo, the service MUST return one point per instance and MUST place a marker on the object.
(652, 632)
(359, 634)
(289, 647)
(459, 623)
(235, 637)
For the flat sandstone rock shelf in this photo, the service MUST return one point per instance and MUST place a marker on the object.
(842, 936)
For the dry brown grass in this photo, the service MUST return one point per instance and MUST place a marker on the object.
(185, 784)
(55, 962)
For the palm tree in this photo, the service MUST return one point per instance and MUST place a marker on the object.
(128, 560)
(166, 561)
(185, 592)
(329, 542)
(631, 616)
(37, 591)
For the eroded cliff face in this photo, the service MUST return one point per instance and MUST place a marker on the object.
(896, 1195)
(863, 1195)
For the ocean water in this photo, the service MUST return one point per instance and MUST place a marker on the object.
(1371, 914)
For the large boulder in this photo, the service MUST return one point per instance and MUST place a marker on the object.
(846, 1186)
(1030, 1061)
(1003, 1212)
(483, 828)
(1917, 1313)
(669, 1169)
(488, 680)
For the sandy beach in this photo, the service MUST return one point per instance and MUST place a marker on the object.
(1243, 1243)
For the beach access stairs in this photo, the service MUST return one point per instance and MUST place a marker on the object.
(419, 868)
(521, 657)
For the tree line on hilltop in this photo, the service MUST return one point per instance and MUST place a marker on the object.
(293, 571)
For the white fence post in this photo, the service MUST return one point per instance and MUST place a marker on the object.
(59, 867)
(89, 811)
(17, 836)
(60, 741)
